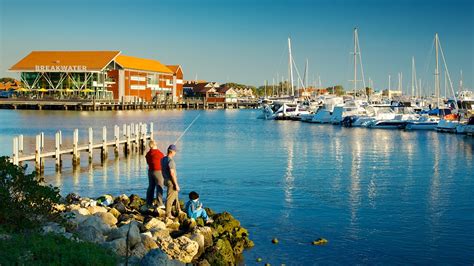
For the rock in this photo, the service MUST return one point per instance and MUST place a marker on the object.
(53, 228)
(90, 234)
(135, 202)
(148, 242)
(86, 202)
(59, 207)
(161, 213)
(97, 223)
(139, 251)
(121, 232)
(181, 248)
(118, 246)
(146, 234)
(83, 211)
(122, 199)
(207, 234)
(188, 225)
(157, 257)
(96, 209)
(74, 218)
(119, 206)
(114, 212)
(72, 197)
(182, 216)
(221, 253)
(198, 238)
(72, 207)
(160, 234)
(203, 262)
(173, 226)
(320, 241)
(154, 223)
(200, 221)
(224, 223)
(107, 218)
(125, 217)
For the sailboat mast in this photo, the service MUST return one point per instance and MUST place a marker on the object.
(355, 61)
(290, 66)
(413, 77)
(437, 69)
(389, 83)
(306, 74)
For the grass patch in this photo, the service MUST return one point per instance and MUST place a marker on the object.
(37, 249)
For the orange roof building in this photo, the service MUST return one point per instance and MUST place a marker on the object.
(110, 74)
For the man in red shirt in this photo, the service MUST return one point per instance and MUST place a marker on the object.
(155, 178)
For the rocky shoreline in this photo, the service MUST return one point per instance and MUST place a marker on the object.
(144, 236)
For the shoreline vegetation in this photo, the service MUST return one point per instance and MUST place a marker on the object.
(38, 226)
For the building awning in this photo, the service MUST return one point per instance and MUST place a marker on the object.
(136, 63)
(65, 61)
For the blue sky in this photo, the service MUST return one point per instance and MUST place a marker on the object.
(246, 41)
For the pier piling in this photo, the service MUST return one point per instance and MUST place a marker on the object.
(135, 138)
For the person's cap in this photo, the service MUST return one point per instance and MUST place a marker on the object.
(172, 147)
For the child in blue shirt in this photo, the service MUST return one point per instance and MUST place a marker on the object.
(194, 208)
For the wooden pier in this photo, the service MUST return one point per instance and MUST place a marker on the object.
(111, 105)
(132, 138)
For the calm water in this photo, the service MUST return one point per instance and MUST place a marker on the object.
(378, 196)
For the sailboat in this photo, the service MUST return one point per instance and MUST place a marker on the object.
(449, 122)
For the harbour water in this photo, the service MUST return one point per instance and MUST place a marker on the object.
(377, 196)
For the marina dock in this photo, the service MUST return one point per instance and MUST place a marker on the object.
(132, 138)
(111, 105)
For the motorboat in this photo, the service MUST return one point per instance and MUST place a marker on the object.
(425, 122)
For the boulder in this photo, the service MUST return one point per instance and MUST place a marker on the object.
(90, 234)
(53, 228)
(139, 250)
(96, 209)
(120, 206)
(83, 211)
(157, 257)
(72, 197)
(160, 234)
(181, 248)
(198, 238)
(114, 212)
(154, 223)
(148, 242)
(122, 199)
(225, 223)
(125, 217)
(118, 246)
(121, 232)
(206, 232)
(136, 202)
(97, 223)
(59, 207)
(107, 218)
(74, 218)
(72, 207)
(221, 253)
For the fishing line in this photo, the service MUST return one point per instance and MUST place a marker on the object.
(184, 132)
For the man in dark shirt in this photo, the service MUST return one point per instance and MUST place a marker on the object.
(171, 180)
(155, 177)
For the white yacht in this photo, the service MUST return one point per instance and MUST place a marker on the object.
(324, 113)
(425, 122)
(350, 108)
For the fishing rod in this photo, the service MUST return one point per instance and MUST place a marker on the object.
(186, 130)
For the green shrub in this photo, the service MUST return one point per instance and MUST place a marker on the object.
(35, 249)
(25, 202)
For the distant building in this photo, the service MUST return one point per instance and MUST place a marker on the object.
(392, 93)
(104, 74)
